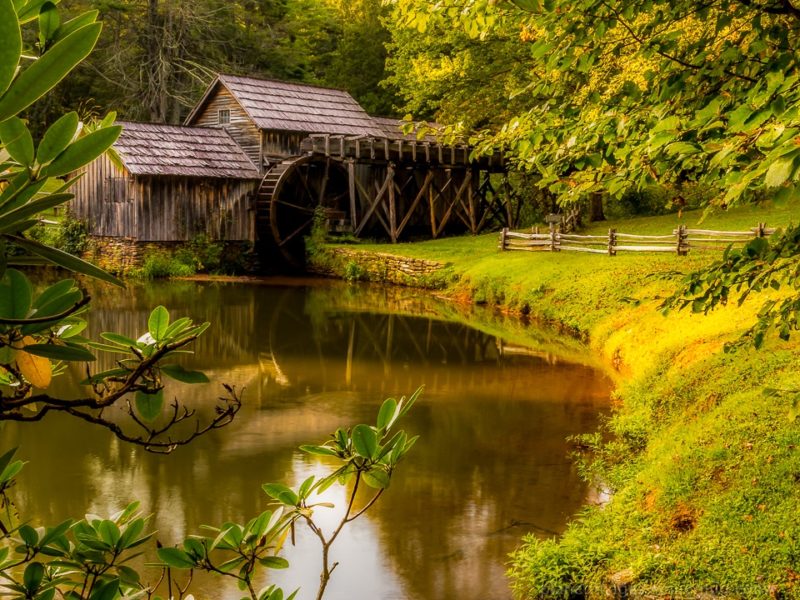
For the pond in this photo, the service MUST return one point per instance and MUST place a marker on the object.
(492, 462)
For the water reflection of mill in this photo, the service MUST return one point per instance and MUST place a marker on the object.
(491, 463)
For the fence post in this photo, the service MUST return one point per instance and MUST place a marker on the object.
(553, 237)
(760, 230)
(503, 235)
(683, 246)
(612, 242)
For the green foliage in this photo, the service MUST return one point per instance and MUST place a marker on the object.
(87, 559)
(202, 254)
(760, 265)
(353, 271)
(159, 264)
(613, 97)
(166, 53)
(68, 234)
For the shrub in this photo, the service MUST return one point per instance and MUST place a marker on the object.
(353, 271)
(160, 264)
(70, 235)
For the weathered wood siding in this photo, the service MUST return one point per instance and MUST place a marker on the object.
(163, 209)
(281, 144)
(179, 208)
(105, 197)
(241, 127)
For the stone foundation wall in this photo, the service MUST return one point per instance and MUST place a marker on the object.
(120, 255)
(380, 267)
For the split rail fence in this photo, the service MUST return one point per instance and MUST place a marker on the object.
(680, 242)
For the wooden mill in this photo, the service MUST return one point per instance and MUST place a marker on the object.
(313, 153)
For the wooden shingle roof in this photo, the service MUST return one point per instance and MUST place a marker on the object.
(284, 106)
(148, 149)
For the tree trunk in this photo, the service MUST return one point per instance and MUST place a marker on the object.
(596, 208)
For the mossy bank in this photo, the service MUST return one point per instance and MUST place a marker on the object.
(702, 469)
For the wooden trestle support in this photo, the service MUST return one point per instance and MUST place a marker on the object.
(369, 186)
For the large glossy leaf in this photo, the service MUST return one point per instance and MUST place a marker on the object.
(281, 493)
(175, 557)
(387, 413)
(17, 140)
(10, 43)
(149, 405)
(106, 591)
(274, 562)
(178, 373)
(53, 292)
(76, 23)
(83, 151)
(5, 459)
(365, 440)
(15, 295)
(378, 479)
(30, 10)
(48, 70)
(33, 576)
(49, 22)
(58, 352)
(57, 137)
(21, 194)
(65, 260)
(34, 207)
(158, 322)
(36, 369)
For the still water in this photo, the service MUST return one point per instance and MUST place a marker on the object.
(491, 463)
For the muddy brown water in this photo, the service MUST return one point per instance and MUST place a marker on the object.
(491, 463)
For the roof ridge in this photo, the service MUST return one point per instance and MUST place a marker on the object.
(289, 82)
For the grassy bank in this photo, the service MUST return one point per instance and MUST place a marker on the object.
(703, 469)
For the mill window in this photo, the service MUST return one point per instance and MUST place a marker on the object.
(224, 117)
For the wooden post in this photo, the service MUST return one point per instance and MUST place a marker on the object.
(392, 204)
(683, 246)
(553, 221)
(503, 235)
(612, 242)
(760, 230)
(473, 219)
(351, 188)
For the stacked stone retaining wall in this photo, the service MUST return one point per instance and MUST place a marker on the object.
(379, 267)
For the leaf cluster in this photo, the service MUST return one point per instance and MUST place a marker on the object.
(367, 453)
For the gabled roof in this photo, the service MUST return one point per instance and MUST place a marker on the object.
(283, 106)
(147, 149)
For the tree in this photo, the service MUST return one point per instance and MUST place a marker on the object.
(155, 58)
(614, 96)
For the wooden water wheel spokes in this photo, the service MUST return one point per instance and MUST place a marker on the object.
(301, 186)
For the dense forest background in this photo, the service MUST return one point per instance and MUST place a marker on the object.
(155, 57)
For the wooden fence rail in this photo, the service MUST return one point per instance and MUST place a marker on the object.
(680, 242)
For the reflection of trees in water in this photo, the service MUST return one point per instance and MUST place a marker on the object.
(493, 423)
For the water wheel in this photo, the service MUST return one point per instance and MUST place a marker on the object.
(290, 195)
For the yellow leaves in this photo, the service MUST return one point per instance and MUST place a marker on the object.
(36, 369)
